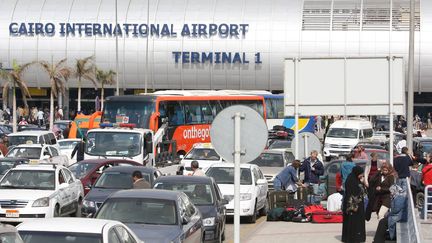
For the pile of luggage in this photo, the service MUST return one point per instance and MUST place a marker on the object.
(283, 207)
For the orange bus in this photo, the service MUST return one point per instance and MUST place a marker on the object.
(84, 123)
(189, 114)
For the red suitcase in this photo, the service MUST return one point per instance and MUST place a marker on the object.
(327, 217)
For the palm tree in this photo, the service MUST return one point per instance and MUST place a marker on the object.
(14, 79)
(58, 75)
(105, 78)
(84, 70)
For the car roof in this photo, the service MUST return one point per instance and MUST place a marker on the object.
(12, 159)
(271, 151)
(37, 167)
(129, 169)
(423, 139)
(30, 133)
(78, 225)
(351, 124)
(103, 161)
(147, 193)
(185, 179)
(33, 145)
(231, 165)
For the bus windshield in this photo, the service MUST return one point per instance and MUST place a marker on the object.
(115, 144)
(136, 112)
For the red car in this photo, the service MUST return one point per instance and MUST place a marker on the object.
(89, 170)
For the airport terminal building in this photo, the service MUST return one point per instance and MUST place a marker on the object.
(208, 44)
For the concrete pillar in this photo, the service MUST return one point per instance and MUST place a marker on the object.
(66, 106)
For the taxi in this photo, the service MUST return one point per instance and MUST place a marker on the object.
(204, 153)
(38, 153)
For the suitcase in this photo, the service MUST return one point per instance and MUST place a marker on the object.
(279, 199)
(327, 217)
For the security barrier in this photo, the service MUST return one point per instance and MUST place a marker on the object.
(412, 226)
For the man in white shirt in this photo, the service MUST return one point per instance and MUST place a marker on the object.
(196, 170)
(40, 117)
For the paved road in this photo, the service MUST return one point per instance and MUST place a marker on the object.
(282, 232)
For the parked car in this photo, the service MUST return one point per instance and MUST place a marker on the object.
(67, 146)
(271, 162)
(9, 163)
(31, 127)
(32, 137)
(422, 146)
(204, 153)
(39, 191)
(5, 130)
(38, 153)
(9, 234)
(206, 196)
(331, 169)
(253, 188)
(76, 230)
(89, 170)
(155, 215)
(279, 144)
(114, 179)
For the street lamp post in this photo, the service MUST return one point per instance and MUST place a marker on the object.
(117, 50)
(410, 101)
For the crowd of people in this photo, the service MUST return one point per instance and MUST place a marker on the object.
(33, 115)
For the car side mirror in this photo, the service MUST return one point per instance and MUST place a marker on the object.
(63, 185)
(261, 181)
(224, 201)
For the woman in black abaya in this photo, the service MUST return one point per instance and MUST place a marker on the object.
(353, 228)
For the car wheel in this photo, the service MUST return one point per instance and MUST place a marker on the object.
(253, 217)
(78, 208)
(263, 211)
(57, 211)
(420, 200)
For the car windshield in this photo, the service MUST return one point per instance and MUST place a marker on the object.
(200, 194)
(427, 147)
(139, 211)
(280, 144)
(24, 152)
(10, 237)
(117, 180)
(80, 170)
(135, 112)
(269, 160)
(118, 144)
(17, 140)
(5, 166)
(28, 179)
(67, 144)
(202, 154)
(225, 175)
(342, 133)
(59, 237)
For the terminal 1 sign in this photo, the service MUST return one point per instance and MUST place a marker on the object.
(142, 30)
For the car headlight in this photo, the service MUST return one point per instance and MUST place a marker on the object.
(209, 221)
(245, 196)
(41, 202)
(89, 204)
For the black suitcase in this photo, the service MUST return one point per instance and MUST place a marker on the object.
(279, 199)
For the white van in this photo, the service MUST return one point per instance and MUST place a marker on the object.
(344, 135)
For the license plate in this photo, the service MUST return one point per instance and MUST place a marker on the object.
(12, 214)
(34, 161)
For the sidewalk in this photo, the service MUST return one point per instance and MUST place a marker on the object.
(281, 232)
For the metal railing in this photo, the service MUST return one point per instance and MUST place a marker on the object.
(413, 225)
(427, 203)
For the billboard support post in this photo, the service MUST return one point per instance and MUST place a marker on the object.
(390, 92)
(296, 112)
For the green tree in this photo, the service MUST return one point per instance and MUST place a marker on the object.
(105, 78)
(84, 70)
(58, 75)
(14, 79)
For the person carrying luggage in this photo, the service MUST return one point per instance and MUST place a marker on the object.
(287, 179)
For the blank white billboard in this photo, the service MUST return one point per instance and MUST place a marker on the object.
(344, 86)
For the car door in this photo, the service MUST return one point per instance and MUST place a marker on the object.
(62, 197)
(70, 199)
(220, 208)
(260, 189)
(192, 230)
(74, 184)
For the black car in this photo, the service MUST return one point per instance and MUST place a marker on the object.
(157, 216)
(9, 163)
(111, 180)
(422, 147)
(205, 195)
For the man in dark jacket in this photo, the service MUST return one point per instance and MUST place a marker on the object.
(79, 150)
(313, 169)
(402, 165)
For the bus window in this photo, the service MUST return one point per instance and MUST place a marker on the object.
(193, 112)
(174, 112)
(207, 112)
(256, 105)
(216, 106)
(269, 108)
(278, 106)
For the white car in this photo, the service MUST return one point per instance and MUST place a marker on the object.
(67, 146)
(204, 153)
(32, 137)
(253, 188)
(38, 153)
(39, 191)
(76, 230)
